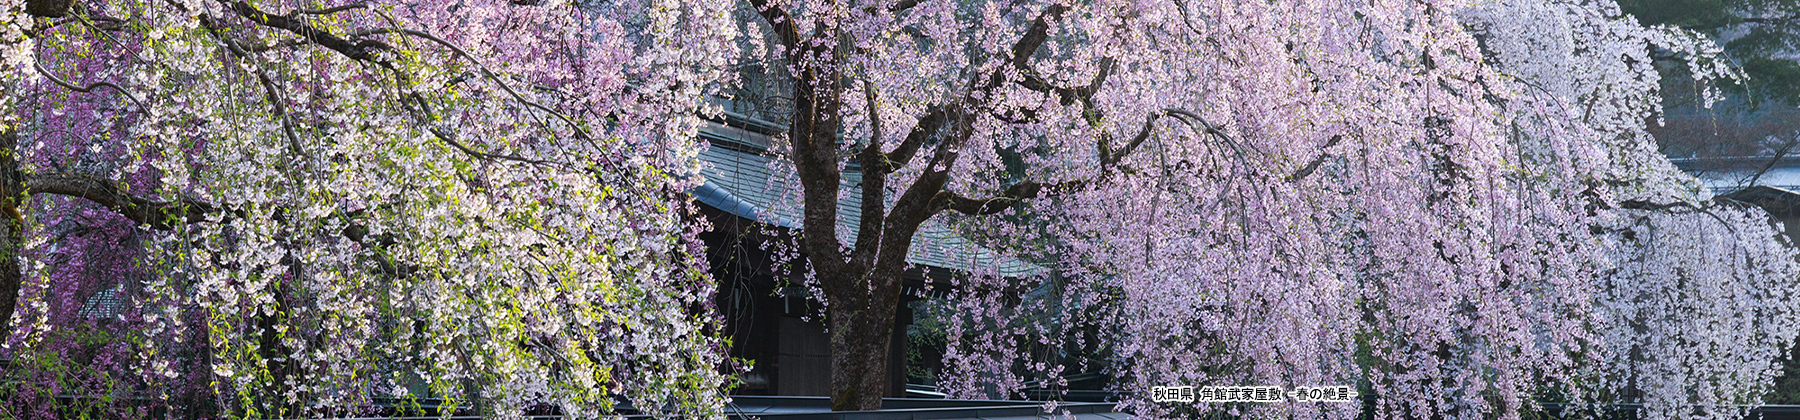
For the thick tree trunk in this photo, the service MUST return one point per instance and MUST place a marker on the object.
(48, 8)
(12, 230)
(861, 333)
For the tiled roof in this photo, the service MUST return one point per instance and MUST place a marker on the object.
(738, 180)
(1724, 175)
(104, 304)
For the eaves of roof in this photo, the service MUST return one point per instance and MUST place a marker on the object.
(742, 180)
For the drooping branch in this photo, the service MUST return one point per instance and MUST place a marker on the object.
(85, 89)
(1110, 157)
(166, 215)
(1208, 128)
(271, 93)
(1684, 206)
(485, 71)
(159, 214)
(363, 50)
(449, 137)
(1654, 206)
(96, 23)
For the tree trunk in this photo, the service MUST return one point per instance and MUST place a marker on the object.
(861, 334)
(12, 230)
(48, 8)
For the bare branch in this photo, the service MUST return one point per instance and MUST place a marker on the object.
(450, 138)
(1029, 77)
(1779, 154)
(1109, 158)
(283, 44)
(360, 50)
(331, 10)
(1013, 195)
(903, 5)
(928, 126)
(1771, 20)
(1035, 36)
(895, 8)
(1317, 160)
(781, 22)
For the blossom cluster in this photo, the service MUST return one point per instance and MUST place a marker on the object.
(304, 209)
(1455, 205)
